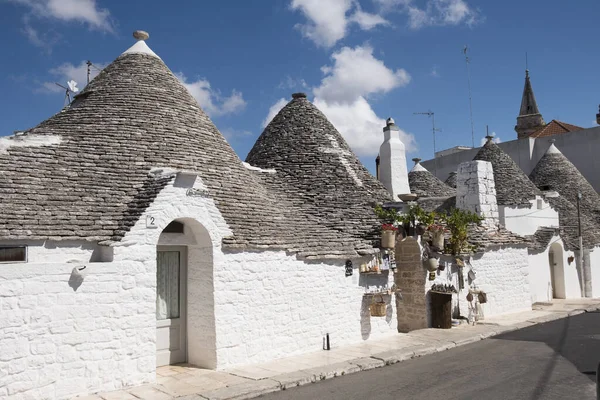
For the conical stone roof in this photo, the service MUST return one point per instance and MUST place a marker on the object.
(451, 180)
(555, 172)
(86, 173)
(318, 174)
(424, 184)
(513, 187)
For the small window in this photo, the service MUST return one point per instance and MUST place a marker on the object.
(174, 227)
(13, 254)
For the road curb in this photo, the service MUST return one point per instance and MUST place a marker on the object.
(254, 389)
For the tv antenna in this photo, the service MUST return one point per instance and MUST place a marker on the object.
(70, 88)
(433, 130)
(467, 61)
(89, 69)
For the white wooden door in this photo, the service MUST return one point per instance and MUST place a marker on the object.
(171, 277)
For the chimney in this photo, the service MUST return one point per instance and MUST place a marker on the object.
(393, 172)
(377, 162)
(476, 191)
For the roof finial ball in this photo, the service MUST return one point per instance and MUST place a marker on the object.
(416, 160)
(298, 95)
(390, 121)
(141, 35)
(489, 138)
(598, 116)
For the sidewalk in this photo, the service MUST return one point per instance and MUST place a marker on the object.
(189, 382)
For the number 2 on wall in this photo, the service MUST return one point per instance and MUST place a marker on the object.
(150, 222)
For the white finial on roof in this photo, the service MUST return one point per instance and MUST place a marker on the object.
(418, 166)
(389, 121)
(552, 149)
(140, 47)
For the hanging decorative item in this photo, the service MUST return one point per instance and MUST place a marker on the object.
(378, 307)
(349, 267)
(461, 278)
(388, 236)
(432, 266)
(482, 297)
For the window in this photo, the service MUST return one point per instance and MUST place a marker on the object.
(174, 227)
(13, 254)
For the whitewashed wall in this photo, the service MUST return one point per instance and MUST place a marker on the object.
(595, 269)
(501, 272)
(270, 305)
(527, 220)
(57, 342)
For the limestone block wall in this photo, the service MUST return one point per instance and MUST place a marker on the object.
(410, 278)
(594, 257)
(61, 336)
(476, 190)
(57, 342)
(270, 305)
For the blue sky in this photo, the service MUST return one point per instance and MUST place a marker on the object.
(360, 61)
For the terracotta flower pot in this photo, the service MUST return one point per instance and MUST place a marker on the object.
(388, 239)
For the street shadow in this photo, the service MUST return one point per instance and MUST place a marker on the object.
(571, 338)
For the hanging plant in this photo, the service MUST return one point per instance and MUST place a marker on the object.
(457, 222)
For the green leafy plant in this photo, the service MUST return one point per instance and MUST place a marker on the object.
(386, 215)
(457, 222)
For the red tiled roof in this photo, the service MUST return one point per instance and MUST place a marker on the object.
(555, 127)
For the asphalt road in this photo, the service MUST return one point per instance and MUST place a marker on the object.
(555, 360)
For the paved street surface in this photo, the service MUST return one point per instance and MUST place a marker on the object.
(528, 360)
(554, 360)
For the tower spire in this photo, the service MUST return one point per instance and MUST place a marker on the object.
(529, 119)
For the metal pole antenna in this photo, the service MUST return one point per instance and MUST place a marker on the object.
(89, 65)
(433, 130)
(470, 100)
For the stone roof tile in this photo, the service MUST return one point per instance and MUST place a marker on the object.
(513, 187)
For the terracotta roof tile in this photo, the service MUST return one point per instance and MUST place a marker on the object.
(555, 127)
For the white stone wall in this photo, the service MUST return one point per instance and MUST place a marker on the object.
(57, 342)
(502, 273)
(476, 191)
(595, 269)
(270, 305)
(527, 220)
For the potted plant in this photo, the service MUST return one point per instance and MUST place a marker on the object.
(457, 222)
(388, 236)
(437, 235)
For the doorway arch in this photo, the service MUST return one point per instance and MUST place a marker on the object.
(557, 271)
(185, 267)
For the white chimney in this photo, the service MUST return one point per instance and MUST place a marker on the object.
(476, 191)
(392, 165)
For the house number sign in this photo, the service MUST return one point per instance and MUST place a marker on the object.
(151, 222)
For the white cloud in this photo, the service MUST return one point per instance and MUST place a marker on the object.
(328, 20)
(66, 72)
(233, 134)
(273, 110)
(291, 83)
(495, 139)
(84, 11)
(434, 72)
(210, 100)
(433, 12)
(360, 126)
(355, 72)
